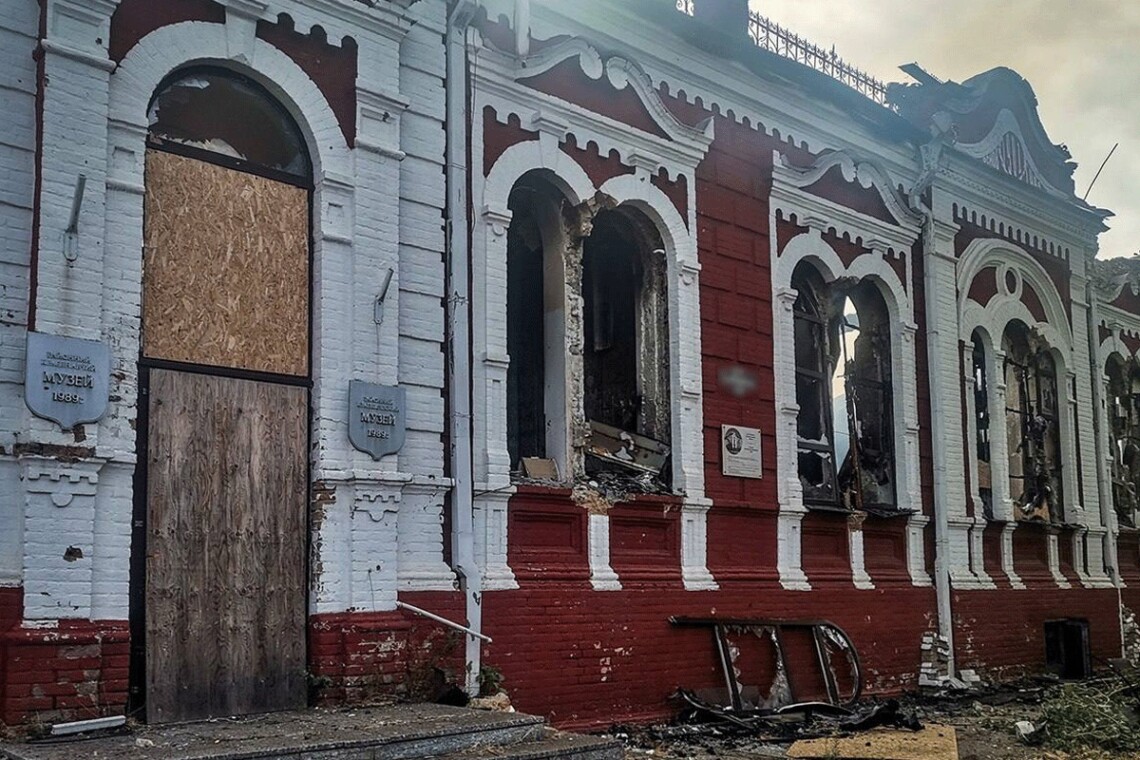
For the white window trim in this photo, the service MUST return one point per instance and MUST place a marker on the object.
(497, 86)
(790, 198)
(990, 321)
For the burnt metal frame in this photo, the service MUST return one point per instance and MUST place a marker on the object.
(719, 628)
(810, 314)
(1031, 379)
(136, 678)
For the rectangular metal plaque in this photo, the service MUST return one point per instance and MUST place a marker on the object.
(66, 380)
(377, 418)
(740, 455)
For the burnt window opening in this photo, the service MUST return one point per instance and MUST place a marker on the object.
(981, 387)
(1033, 431)
(526, 409)
(1124, 431)
(625, 342)
(220, 116)
(845, 425)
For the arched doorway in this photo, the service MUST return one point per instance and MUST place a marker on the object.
(218, 576)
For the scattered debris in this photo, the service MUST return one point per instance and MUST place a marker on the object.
(500, 702)
(1102, 715)
(628, 451)
(540, 468)
(1028, 733)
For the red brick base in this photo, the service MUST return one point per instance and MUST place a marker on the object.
(75, 671)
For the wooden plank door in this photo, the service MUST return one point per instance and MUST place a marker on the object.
(225, 563)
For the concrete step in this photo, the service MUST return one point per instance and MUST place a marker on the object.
(399, 732)
(554, 744)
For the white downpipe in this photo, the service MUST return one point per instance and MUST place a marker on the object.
(459, 337)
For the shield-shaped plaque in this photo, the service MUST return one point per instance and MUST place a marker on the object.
(376, 418)
(66, 380)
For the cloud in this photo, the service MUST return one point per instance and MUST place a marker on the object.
(1079, 56)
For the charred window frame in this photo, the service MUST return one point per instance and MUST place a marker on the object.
(844, 391)
(1033, 430)
(216, 115)
(1124, 432)
(981, 386)
(625, 342)
(814, 424)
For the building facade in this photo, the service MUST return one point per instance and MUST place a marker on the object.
(557, 321)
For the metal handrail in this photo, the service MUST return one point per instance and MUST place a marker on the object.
(444, 621)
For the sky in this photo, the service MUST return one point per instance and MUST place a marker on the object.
(1082, 58)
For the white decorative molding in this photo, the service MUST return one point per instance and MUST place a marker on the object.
(1054, 556)
(868, 175)
(602, 576)
(501, 85)
(1007, 555)
(694, 546)
(858, 559)
(789, 550)
(916, 550)
(819, 215)
(1005, 149)
(490, 515)
(497, 86)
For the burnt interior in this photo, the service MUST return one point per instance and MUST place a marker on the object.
(845, 424)
(1124, 430)
(1033, 431)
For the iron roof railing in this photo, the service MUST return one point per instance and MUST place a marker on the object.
(787, 44)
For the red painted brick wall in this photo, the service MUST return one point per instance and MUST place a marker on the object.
(74, 672)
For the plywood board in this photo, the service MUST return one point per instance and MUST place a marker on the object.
(225, 567)
(225, 267)
(931, 743)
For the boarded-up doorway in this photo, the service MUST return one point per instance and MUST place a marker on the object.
(219, 550)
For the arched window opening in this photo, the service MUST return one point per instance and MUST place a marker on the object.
(625, 345)
(533, 202)
(1124, 432)
(982, 424)
(220, 116)
(814, 431)
(1033, 431)
(845, 426)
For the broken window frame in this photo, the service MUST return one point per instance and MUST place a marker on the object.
(982, 444)
(633, 436)
(537, 198)
(864, 378)
(1034, 414)
(1123, 401)
(217, 115)
(565, 233)
(808, 322)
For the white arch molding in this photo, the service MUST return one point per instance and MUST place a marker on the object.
(492, 361)
(990, 322)
(883, 239)
(335, 228)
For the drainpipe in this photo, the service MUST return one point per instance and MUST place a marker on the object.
(460, 14)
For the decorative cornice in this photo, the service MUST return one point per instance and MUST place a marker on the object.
(816, 212)
(1005, 149)
(868, 174)
(501, 85)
